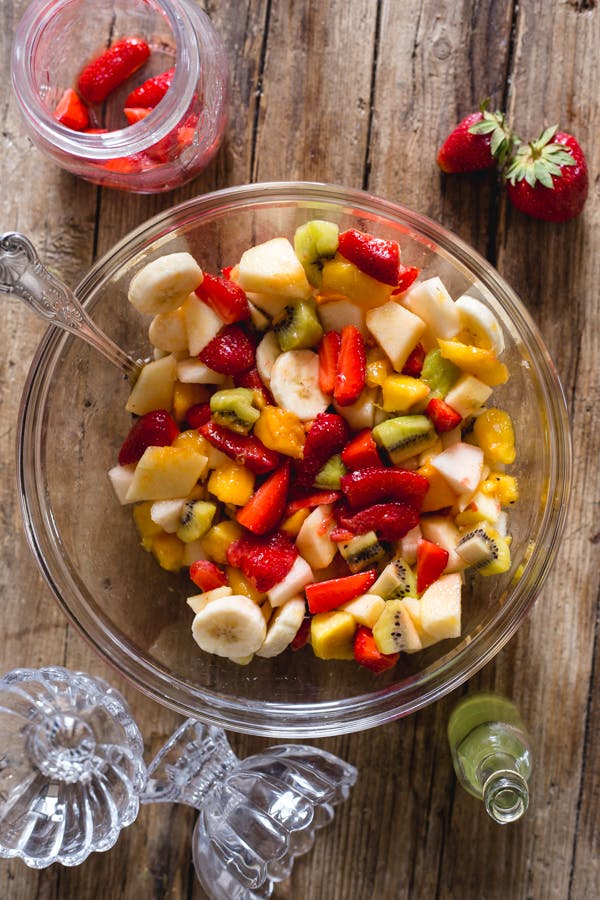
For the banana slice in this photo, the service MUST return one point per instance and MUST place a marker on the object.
(266, 353)
(283, 627)
(230, 626)
(480, 323)
(163, 284)
(295, 384)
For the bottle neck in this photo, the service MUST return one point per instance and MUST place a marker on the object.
(506, 795)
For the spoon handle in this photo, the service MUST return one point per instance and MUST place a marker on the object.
(23, 274)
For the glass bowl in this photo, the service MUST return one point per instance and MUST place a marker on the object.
(73, 421)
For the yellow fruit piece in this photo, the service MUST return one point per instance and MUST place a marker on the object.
(218, 538)
(501, 486)
(166, 472)
(231, 483)
(440, 494)
(293, 523)
(267, 611)
(343, 278)
(168, 551)
(146, 527)
(483, 364)
(430, 452)
(193, 440)
(186, 395)
(493, 431)
(239, 584)
(332, 635)
(281, 430)
(378, 367)
(401, 393)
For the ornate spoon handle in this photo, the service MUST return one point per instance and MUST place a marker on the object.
(22, 274)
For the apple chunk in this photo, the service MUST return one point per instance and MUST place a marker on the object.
(166, 472)
(396, 330)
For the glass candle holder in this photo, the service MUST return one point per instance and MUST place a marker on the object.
(168, 146)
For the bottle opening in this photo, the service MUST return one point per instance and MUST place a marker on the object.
(506, 796)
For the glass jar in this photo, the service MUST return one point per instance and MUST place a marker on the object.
(175, 141)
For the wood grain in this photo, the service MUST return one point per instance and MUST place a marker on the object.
(361, 94)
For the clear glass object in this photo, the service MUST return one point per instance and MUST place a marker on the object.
(491, 754)
(72, 776)
(73, 419)
(54, 40)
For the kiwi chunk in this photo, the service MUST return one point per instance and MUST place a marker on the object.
(362, 552)
(233, 409)
(329, 476)
(439, 374)
(196, 519)
(396, 581)
(485, 549)
(314, 242)
(404, 436)
(297, 326)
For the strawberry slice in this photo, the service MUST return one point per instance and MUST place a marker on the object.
(310, 501)
(376, 257)
(326, 437)
(225, 297)
(206, 575)
(264, 560)
(150, 93)
(406, 276)
(390, 521)
(198, 415)
(363, 487)
(431, 562)
(154, 429)
(243, 448)
(112, 68)
(324, 596)
(414, 363)
(230, 352)
(302, 634)
(442, 415)
(251, 379)
(340, 535)
(361, 451)
(367, 654)
(265, 507)
(351, 367)
(135, 114)
(71, 112)
(329, 351)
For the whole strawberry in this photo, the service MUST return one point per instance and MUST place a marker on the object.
(548, 178)
(482, 140)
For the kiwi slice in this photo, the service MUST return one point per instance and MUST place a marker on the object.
(485, 549)
(314, 242)
(196, 519)
(438, 373)
(297, 326)
(404, 436)
(396, 581)
(328, 477)
(362, 552)
(233, 409)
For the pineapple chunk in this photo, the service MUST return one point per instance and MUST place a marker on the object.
(281, 430)
(433, 304)
(440, 607)
(493, 431)
(218, 538)
(332, 635)
(475, 360)
(366, 609)
(166, 472)
(396, 330)
(231, 483)
(343, 280)
(167, 549)
(401, 393)
(146, 526)
(273, 268)
(154, 387)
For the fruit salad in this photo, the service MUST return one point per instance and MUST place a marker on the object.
(316, 442)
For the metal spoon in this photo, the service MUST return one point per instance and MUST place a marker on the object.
(23, 274)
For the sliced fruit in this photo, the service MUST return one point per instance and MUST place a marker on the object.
(404, 436)
(267, 352)
(502, 487)
(406, 547)
(377, 257)
(196, 519)
(439, 374)
(193, 371)
(361, 452)
(332, 635)
(292, 584)
(401, 393)
(265, 508)
(154, 429)
(207, 576)
(283, 627)
(114, 66)
(414, 364)
(302, 635)
(164, 283)
(245, 449)
(291, 525)
(121, 478)
(281, 430)
(481, 508)
(461, 465)
(439, 494)
(313, 541)
(273, 268)
(389, 520)
(309, 501)
(468, 395)
(442, 530)
(396, 330)
(168, 551)
(329, 476)
(334, 314)
(431, 562)
(230, 626)
(441, 607)
(225, 298)
(413, 608)
(166, 472)
(479, 362)
(396, 581)
(202, 324)
(167, 514)
(479, 325)
(251, 379)
(351, 367)
(154, 387)
(329, 351)
(295, 384)
(216, 541)
(442, 415)
(378, 367)
(326, 437)
(297, 326)
(188, 397)
(366, 609)
(230, 352)
(197, 602)
(314, 242)
(431, 302)
(231, 483)
(233, 408)
(485, 549)
(241, 585)
(72, 112)
(360, 414)
(150, 93)
(394, 631)
(323, 596)
(343, 280)
(362, 552)
(493, 431)
(373, 484)
(264, 560)
(367, 654)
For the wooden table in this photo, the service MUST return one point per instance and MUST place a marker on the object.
(361, 94)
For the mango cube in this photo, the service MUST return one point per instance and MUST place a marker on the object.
(218, 538)
(147, 528)
(493, 431)
(231, 483)
(281, 431)
(401, 393)
(168, 551)
(332, 635)
(341, 278)
(483, 364)
(242, 585)
(186, 395)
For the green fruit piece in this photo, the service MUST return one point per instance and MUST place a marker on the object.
(396, 581)
(485, 549)
(328, 477)
(314, 242)
(404, 436)
(297, 326)
(362, 552)
(196, 519)
(394, 630)
(439, 374)
(233, 409)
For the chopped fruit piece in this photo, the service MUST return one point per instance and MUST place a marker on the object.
(378, 367)
(186, 396)
(334, 314)
(326, 437)
(414, 364)
(281, 431)
(133, 114)
(363, 487)
(351, 367)
(362, 552)
(226, 298)
(283, 627)
(198, 415)
(199, 601)
(150, 93)
(264, 560)
(196, 519)
(71, 112)
(308, 501)
(297, 326)
(252, 380)
(461, 465)
(360, 414)
(154, 387)
(439, 493)
(485, 549)
(218, 539)
(302, 635)
(167, 549)
(504, 488)
(332, 635)
(406, 276)
(431, 302)
(105, 73)
(481, 508)
(273, 268)
(154, 429)
(266, 506)
(366, 609)
(440, 607)
(329, 351)
(230, 352)
(475, 360)
(245, 449)
(396, 330)
(206, 575)
(438, 373)
(292, 583)
(241, 585)
(164, 283)
(291, 525)
(394, 631)
(396, 580)
(166, 472)
(468, 395)
(232, 627)
(401, 393)
(328, 477)
(367, 654)
(314, 242)
(404, 436)
(343, 280)
(233, 408)
(231, 483)
(431, 562)
(479, 325)
(361, 451)
(294, 384)
(377, 257)
(323, 596)
(146, 526)
(442, 415)
(202, 324)
(390, 521)
(493, 431)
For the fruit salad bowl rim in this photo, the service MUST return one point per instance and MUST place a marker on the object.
(296, 719)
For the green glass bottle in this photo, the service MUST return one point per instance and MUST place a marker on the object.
(491, 754)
